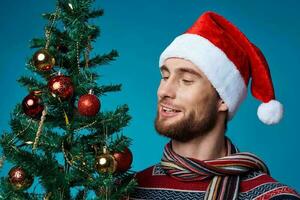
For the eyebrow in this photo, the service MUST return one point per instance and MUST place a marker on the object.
(189, 70)
(182, 70)
(164, 68)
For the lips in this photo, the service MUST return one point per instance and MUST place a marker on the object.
(168, 110)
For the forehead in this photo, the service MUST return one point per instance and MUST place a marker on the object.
(181, 65)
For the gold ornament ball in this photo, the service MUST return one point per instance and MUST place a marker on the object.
(105, 163)
(43, 60)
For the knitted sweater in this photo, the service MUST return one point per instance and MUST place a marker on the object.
(154, 183)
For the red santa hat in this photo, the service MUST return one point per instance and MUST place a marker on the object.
(229, 60)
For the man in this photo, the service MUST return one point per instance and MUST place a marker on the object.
(205, 74)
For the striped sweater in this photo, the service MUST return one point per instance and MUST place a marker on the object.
(154, 183)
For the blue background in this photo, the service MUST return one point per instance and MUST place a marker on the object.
(140, 30)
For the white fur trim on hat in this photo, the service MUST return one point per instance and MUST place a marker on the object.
(213, 62)
(271, 112)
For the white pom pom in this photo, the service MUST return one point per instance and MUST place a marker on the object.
(271, 112)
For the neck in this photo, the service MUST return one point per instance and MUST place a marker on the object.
(210, 145)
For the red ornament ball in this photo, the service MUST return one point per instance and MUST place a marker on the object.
(19, 179)
(123, 159)
(61, 86)
(88, 105)
(32, 105)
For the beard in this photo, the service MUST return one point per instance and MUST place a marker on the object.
(190, 126)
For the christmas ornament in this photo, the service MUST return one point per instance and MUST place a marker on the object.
(105, 163)
(19, 179)
(51, 24)
(123, 159)
(32, 105)
(40, 128)
(88, 105)
(43, 60)
(61, 86)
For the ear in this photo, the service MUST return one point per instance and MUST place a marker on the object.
(222, 105)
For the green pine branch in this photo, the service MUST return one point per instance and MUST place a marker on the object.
(96, 13)
(31, 83)
(120, 143)
(37, 43)
(111, 121)
(103, 59)
(107, 88)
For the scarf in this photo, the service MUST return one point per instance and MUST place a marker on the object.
(224, 172)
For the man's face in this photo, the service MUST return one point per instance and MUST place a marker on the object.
(187, 102)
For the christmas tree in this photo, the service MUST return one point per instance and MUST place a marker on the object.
(60, 139)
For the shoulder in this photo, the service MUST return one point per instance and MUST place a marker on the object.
(156, 177)
(151, 176)
(259, 185)
(154, 170)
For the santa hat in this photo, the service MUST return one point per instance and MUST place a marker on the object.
(229, 60)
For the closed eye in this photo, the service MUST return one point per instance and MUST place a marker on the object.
(187, 82)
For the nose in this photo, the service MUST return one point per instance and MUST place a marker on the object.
(167, 89)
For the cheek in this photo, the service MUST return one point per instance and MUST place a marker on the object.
(196, 99)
